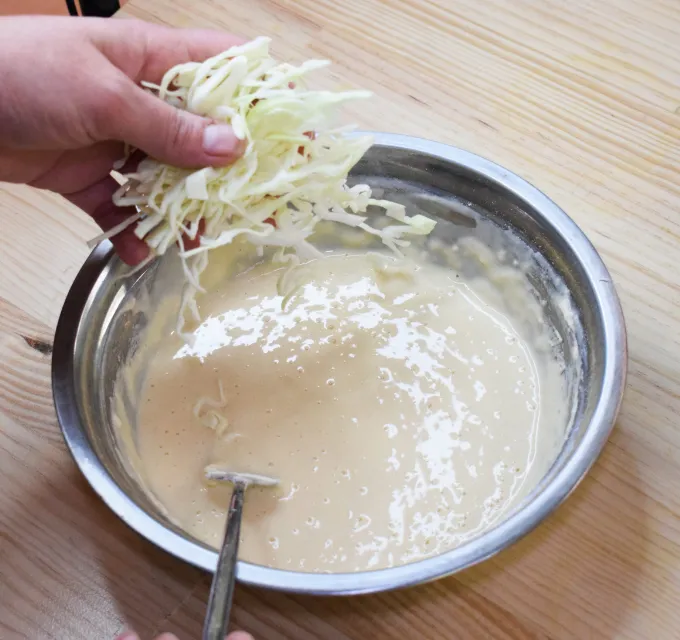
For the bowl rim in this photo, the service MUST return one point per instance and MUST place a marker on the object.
(521, 522)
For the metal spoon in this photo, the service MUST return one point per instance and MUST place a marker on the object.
(222, 589)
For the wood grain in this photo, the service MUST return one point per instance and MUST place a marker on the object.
(580, 98)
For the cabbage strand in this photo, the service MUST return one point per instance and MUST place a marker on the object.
(292, 175)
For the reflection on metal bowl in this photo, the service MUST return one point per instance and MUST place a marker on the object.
(96, 332)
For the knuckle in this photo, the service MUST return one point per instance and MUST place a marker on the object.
(108, 107)
(180, 130)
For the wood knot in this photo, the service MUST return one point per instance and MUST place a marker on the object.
(45, 348)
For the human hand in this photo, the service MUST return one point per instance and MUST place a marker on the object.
(71, 98)
(236, 635)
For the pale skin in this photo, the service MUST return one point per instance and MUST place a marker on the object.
(71, 101)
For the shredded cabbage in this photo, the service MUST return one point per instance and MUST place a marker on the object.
(212, 417)
(292, 175)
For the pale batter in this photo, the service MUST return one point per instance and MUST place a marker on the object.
(402, 413)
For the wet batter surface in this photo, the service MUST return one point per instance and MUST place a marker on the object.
(401, 412)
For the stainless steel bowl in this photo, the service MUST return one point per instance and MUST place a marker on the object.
(96, 330)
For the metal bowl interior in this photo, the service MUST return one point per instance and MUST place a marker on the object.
(476, 197)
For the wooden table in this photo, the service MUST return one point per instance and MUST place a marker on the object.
(582, 98)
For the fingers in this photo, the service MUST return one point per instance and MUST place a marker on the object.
(128, 246)
(79, 168)
(124, 111)
(25, 166)
(239, 635)
(172, 136)
(145, 51)
(167, 47)
(82, 176)
(96, 201)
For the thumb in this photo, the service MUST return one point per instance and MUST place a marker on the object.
(174, 136)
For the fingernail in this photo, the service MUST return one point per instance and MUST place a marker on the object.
(128, 635)
(219, 140)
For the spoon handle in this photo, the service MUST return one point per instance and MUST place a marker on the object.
(222, 590)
